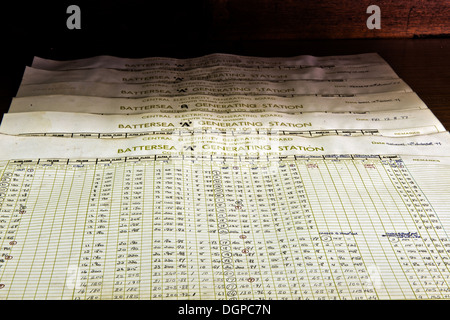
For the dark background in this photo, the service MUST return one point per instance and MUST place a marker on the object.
(414, 37)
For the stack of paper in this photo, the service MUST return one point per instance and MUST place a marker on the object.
(222, 177)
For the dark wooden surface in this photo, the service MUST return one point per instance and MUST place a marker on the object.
(223, 20)
(325, 19)
(423, 63)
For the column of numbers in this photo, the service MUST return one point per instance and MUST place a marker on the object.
(428, 263)
(14, 180)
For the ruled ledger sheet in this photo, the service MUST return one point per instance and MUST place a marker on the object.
(222, 177)
(199, 218)
(33, 75)
(231, 87)
(236, 103)
(388, 123)
(212, 60)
